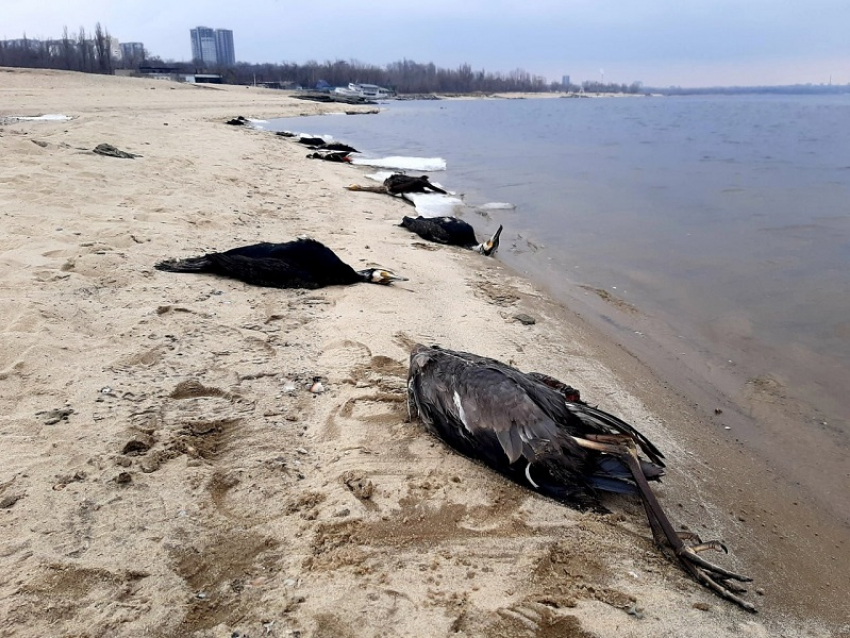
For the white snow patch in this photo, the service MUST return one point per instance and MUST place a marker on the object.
(434, 204)
(403, 163)
(497, 206)
(52, 117)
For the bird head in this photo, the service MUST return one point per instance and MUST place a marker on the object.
(380, 276)
(354, 187)
(490, 246)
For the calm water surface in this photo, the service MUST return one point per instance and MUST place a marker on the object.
(724, 221)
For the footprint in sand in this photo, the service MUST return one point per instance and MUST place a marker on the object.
(77, 591)
(352, 362)
(338, 360)
(196, 420)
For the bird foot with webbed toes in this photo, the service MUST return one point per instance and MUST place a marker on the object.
(721, 581)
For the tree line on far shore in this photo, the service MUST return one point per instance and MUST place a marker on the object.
(89, 53)
(92, 53)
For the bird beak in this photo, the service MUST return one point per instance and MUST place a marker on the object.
(490, 246)
(389, 277)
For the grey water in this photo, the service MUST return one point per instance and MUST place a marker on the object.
(721, 222)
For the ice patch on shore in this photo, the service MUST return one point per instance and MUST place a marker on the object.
(403, 163)
(51, 117)
(497, 206)
(434, 204)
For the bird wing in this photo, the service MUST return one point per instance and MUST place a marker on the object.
(264, 271)
(522, 409)
(478, 407)
(426, 228)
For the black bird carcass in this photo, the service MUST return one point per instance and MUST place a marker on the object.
(330, 155)
(401, 184)
(303, 263)
(317, 143)
(535, 430)
(452, 231)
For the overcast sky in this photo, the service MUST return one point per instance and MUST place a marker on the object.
(658, 42)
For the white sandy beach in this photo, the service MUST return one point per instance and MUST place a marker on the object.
(164, 470)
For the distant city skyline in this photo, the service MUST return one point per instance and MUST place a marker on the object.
(692, 43)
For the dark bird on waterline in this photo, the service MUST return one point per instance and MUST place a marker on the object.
(303, 263)
(452, 231)
(399, 184)
(317, 143)
(311, 141)
(536, 431)
(330, 156)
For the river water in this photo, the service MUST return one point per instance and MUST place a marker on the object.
(708, 235)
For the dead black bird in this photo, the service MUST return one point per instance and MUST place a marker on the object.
(303, 263)
(330, 156)
(311, 141)
(317, 143)
(452, 231)
(526, 427)
(338, 146)
(237, 121)
(399, 184)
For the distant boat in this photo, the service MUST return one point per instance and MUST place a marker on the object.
(364, 91)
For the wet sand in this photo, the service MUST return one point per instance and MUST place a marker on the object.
(166, 471)
(788, 535)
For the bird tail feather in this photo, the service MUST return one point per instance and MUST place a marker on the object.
(192, 264)
(612, 475)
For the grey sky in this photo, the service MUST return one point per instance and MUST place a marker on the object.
(659, 42)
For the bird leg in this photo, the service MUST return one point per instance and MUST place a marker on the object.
(709, 575)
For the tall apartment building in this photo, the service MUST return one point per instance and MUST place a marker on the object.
(224, 47)
(132, 50)
(213, 46)
(203, 45)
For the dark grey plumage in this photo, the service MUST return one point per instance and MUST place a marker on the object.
(399, 183)
(452, 231)
(535, 430)
(318, 143)
(303, 263)
(330, 156)
(493, 412)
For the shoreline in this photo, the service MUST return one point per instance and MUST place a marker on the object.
(770, 507)
(787, 474)
(253, 503)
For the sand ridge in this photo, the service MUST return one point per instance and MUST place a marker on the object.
(165, 469)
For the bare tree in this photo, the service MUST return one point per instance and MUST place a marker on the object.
(67, 49)
(104, 54)
(84, 53)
